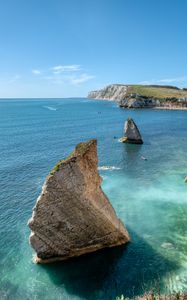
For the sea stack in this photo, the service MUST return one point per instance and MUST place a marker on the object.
(73, 216)
(132, 134)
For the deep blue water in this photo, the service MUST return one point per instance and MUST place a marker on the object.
(149, 196)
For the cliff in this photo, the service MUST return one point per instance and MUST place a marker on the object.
(143, 96)
(111, 92)
(73, 216)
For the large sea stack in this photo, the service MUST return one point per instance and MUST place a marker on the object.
(73, 216)
(132, 134)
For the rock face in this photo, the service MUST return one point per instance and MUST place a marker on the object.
(132, 134)
(143, 96)
(112, 92)
(124, 96)
(73, 216)
(138, 101)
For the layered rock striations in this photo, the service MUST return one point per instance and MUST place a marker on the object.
(112, 92)
(132, 133)
(73, 216)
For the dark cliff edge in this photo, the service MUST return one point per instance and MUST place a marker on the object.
(143, 96)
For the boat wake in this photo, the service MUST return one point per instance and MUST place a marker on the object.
(50, 107)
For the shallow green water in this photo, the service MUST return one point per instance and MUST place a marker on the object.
(149, 196)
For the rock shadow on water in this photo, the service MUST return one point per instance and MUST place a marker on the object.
(131, 155)
(131, 270)
(132, 150)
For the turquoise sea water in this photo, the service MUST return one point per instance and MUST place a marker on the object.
(149, 196)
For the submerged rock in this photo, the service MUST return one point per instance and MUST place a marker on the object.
(132, 134)
(73, 216)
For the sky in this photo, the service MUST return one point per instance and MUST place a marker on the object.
(66, 48)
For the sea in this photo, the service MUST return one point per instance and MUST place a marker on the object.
(149, 195)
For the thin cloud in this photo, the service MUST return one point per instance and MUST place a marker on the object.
(146, 82)
(64, 74)
(67, 68)
(14, 79)
(82, 78)
(171, 80)
(70, 80)
(36, 72)
(178, 80)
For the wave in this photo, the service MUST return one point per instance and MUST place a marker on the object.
(108, 168)
(50, 107)
(167, 246)
(104, 177)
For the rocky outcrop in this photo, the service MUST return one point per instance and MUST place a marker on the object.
(143, 96)
(73, 216)
(124, 96)
(132, 134)
(125, 99)
(138, 101)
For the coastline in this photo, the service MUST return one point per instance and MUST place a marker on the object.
(170, 108)
(156, 107)
(143, 96)
(102, 99)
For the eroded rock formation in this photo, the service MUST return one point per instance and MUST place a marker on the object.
(143, 96)
(138, 101)
(73, 216)
(132, 134)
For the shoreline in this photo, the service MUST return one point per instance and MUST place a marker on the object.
(156, 107)
(170, 108)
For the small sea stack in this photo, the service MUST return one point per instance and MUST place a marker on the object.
(185, 179)
(132, 134)
(73, 216)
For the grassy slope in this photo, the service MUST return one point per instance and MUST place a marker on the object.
(157, 92)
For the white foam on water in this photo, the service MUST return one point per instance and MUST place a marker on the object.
(108, 168)
(167, 245)
(50, 108)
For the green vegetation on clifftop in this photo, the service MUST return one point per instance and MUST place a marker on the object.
(80, 150)
(157, 92)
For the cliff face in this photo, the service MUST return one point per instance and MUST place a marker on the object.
(111, 92)
(73, 216)
(141, 96)
(138, 101)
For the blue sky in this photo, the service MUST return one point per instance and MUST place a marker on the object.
(64, 48)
